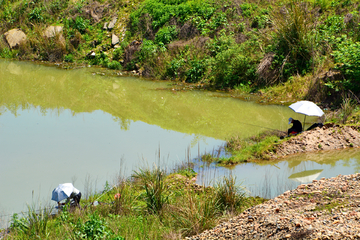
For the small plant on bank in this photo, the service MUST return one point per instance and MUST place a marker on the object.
(156, 194)
(229, 195)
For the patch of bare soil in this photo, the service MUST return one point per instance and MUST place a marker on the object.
(328, 137)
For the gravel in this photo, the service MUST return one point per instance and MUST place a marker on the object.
(323, 209)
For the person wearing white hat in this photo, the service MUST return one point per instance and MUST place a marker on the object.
(296, 127)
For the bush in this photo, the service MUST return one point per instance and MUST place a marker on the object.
(347, 60)
(35, 15)
(196, 71)
(79, 24)
(69, 58)
(166, 34)
(94, 228)
(233, 67)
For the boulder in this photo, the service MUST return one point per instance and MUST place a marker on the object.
(51, 31)
(15, 37)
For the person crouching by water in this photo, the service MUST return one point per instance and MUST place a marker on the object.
(76, 196)
(296, 127)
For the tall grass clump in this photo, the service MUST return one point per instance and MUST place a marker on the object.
(194, 213)
(293, 40)
(155, 194)
(229, 196)
(33, 223)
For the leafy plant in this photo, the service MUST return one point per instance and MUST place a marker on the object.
(196, 71)
(69, 58)
(94, 228)
(166, 34)
(347, 59)
(36, 15)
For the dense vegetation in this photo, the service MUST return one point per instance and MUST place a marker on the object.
(152, 204)
(308, 48)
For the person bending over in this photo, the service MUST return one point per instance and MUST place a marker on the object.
(296, 127)
(75, 195)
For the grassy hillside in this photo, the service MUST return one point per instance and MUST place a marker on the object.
(306, 49)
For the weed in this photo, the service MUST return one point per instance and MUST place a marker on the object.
(229, 196)
(94, 228)
(156, 195)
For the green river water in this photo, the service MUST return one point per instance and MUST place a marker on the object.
(89, 125)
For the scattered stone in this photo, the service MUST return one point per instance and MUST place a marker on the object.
(114, 40)
(111, 24)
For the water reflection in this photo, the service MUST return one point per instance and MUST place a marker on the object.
(269, 179)
(78, 126)
(85, 127)
(306, 176)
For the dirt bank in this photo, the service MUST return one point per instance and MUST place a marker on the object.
(323, 209)
(328, 137)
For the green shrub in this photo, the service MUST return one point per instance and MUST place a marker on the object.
(79, 24)
(161, 11)
(36, 15)
(147, 51)
(118, 54)
(94, 228)
(233, 67)
(175, 69)
(114, 65)
(69, 58)
(196, 71)
(166, 34)
(347, 60)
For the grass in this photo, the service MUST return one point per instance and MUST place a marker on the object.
(256, 147)
(281, 49)
(151, 204)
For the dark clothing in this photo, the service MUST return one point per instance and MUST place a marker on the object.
(77, 198)
(297, 127)
(315, 125)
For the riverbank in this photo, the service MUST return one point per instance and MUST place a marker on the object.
(152, 204)
(275, 144)
(323, 209)
(328, 137)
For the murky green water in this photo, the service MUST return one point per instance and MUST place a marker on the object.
(83, 127)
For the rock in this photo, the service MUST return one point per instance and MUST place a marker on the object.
(51, 31)
(91, 54)
(105, 26)
(112, 23)
(114, 39)
(15, 37)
